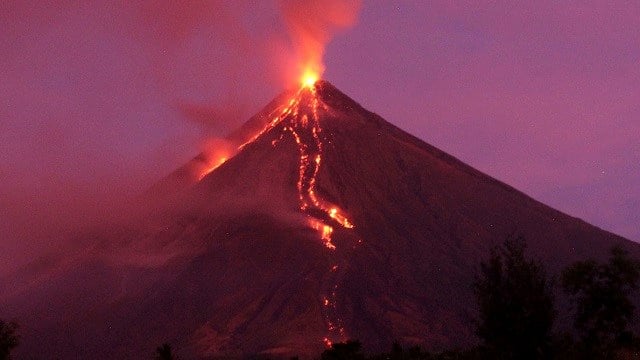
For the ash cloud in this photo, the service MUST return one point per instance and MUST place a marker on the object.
(313, 24)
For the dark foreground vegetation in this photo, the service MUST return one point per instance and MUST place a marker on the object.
(9, 338)
(515, 298)
(516, 313)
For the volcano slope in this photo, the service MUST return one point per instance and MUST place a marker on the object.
(329, 224)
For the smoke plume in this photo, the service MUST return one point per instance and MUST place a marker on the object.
(313, 24)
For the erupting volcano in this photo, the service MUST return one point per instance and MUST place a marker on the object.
(326, 223)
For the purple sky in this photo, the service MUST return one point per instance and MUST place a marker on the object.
(544, 97)
(99, 100)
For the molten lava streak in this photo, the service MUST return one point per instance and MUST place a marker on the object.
(300, 118)
(212, 165)
(304, 126)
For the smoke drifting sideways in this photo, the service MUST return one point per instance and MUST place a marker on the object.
(102, 100)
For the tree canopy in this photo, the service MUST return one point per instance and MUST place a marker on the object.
(600, 296)
(350, 350)
(164, 352)
(515, 301)
(9, 338)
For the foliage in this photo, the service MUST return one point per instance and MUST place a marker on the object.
(164, 352)
(416, 353)
(350, 350)
(515, 304)
(600, 295)
(9, 338)
(399, 353)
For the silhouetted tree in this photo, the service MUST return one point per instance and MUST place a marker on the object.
(515, 303)
(350, 350)
(416, 352)
(600, 297)
(9, 338)
(399, 353)
(164, 352)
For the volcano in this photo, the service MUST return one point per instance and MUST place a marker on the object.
(328, 223)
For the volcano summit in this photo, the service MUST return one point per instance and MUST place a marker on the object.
(326, 224)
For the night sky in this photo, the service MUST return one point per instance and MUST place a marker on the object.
(98, 101)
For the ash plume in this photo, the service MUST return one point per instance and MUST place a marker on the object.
(313, 24)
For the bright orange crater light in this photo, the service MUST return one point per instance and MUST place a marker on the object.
(309, 78)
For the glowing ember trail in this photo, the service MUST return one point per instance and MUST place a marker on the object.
(212, 166)
(300, 118)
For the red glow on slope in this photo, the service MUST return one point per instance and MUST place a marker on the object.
(212, 166)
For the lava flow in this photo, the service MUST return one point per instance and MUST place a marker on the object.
(212, 165)
(300, 118)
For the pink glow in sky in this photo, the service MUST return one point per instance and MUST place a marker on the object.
(105, 97)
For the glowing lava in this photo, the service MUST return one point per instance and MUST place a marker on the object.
(299, 117)
(309, 79)
(303, 123)
(305, 128)
(212, 166)
(325, 232)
